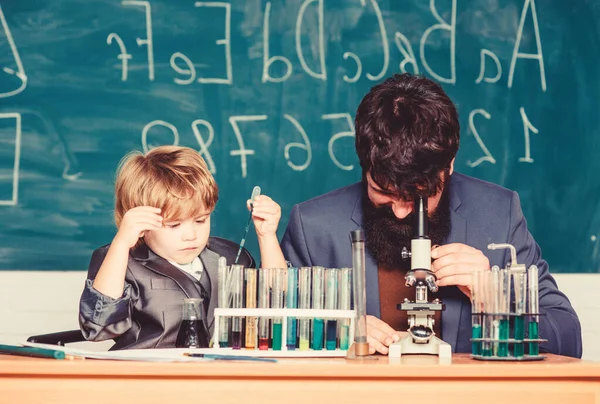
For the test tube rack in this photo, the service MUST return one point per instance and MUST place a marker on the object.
(510, 342)
(284, 314)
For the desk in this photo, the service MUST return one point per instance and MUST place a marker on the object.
(416, 379)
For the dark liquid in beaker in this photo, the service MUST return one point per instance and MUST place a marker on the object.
(192, 334)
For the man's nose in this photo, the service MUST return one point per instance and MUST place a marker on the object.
(401, 209)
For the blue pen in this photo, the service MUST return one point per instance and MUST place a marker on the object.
(255, 193)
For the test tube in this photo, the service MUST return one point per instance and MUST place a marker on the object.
(263, 303)
(278, 278)
(344, 304)
(504, 310)
(237, 290)
(495, 308)
(360, 293)
(476, 310)
(224, 294)
(520, 282)
(251, 331)
(534, 309)
(304, 283)
(487, 296)
(291, 303)
(331, 303)
(318, 298)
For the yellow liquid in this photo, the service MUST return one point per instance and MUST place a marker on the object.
(304, 343)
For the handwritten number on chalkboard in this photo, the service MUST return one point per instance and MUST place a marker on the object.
(340, 135)
(242, 151)
(303, 146)
(205, 145)
(488, 156)
(526, 127)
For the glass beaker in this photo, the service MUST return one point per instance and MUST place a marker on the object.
(192, 331)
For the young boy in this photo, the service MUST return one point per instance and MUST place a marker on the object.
(162, 252)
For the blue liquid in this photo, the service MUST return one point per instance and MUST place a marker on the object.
(317, 341)
(503, 334)
(331, 343)
(476, 345)
(291, 334)
(534, 347)
(519, 349)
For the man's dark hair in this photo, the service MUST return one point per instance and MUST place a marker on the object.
(407, 132)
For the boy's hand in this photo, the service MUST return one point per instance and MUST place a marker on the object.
(265, 215)
(135, 222)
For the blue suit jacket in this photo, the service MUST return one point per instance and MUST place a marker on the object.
(318, 233)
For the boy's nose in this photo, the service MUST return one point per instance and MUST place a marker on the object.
(189, 233)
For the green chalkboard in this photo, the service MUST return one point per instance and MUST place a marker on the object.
(266, 91)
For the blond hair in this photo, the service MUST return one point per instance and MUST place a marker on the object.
(173, 178)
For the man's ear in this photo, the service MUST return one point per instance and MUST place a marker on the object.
(451, 166)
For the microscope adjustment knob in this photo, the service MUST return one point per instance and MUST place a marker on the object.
(405, 253)
(430, 281)
(410, 279)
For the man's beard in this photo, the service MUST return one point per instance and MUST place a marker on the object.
(386, 235)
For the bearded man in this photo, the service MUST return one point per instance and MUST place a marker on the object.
(407, 137)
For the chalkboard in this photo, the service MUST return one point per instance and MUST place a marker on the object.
(267, 90)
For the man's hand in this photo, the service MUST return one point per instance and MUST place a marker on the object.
(454, 264)
(135, 222)
(380, 335)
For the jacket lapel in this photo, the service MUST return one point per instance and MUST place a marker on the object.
(210, 261)
(162, 267)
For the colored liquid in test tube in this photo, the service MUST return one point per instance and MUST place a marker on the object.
(304, 284)
(318, 298)
(278, 279)
(251, 301)
(534, 308)
(224, 297)
(291, 302)
(331, 302)
(237, 291)
(520, 282)
(264, 290)
(345, 285)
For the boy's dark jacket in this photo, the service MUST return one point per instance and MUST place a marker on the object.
(149, 312)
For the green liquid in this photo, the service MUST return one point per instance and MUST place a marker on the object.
(534, 347)
(486, 352)
(519, 335)
(291, 334)
(317, 341)
(345, 337)
(303, 346)
(277, 336)
(476, 345)
(503, 335)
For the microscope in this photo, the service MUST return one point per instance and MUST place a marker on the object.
(421, 338)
